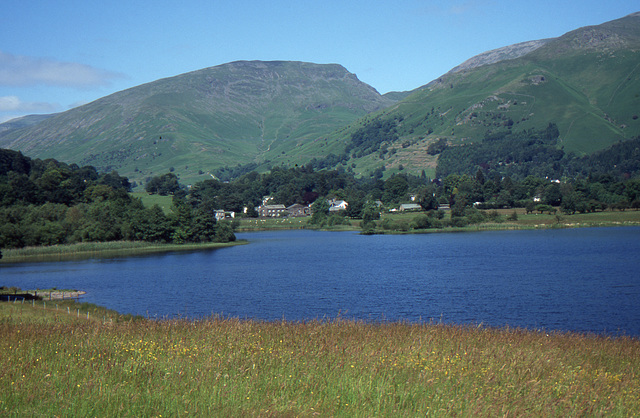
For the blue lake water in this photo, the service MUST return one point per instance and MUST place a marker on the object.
(585, 280)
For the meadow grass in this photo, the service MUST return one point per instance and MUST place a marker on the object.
(148, 200)
(56, 363)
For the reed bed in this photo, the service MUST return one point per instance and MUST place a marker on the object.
(101, 249)
(60, 364)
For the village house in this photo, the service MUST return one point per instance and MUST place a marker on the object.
(409, 207)
(297, 209)
(221, 214)
(272, 211)
(337, 205)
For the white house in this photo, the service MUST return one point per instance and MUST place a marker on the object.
(221, 214)
(337, 205)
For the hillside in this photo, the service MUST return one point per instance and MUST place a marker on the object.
(259, 114)
(587, 82)
(223, 115)
(22, 122)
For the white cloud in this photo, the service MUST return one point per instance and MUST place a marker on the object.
(14, 104)
(18, 70)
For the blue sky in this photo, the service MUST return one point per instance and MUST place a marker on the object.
(55, 55)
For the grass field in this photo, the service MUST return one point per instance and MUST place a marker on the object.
(62, 362)
(148, 200)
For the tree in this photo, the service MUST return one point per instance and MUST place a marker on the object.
(571, 202)
(320, 209)
(425, 197)
(421, 222)
(395, 189)
(163, 185)
(115, 180)
(552, 194)
(371, 212)
(545, 208)
(224, 232)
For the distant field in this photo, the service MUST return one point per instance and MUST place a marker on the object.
(165, 202)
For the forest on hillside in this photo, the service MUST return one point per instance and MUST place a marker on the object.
(465, 193)
(536, 152)
(47, 202)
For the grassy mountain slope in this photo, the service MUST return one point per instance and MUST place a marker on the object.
(223, 115)
(587, 82)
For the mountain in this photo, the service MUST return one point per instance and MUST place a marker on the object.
(224, 115)
(500, 54)
(22, 122)
(586, 82)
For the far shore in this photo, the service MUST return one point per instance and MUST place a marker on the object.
(101, 250)
(132, 248)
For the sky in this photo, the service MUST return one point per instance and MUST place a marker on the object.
(56, 55)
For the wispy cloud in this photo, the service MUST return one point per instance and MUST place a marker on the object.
(18, 70)
(14, 104)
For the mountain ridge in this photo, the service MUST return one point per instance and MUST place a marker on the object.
(586, 81)
(252, 103)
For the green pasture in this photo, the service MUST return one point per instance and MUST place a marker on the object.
(149, 200)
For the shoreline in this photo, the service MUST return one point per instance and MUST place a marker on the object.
(82, 251)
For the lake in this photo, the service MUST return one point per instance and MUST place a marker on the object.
(585, 279)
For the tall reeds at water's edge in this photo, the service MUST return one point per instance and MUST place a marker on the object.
(106, 249)
(58, 362)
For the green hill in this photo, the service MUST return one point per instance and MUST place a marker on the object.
(259, 114)
(587, 82)
(224, 115)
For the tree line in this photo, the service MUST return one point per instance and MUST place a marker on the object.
(464, 193)
(47, 202)
(536, 153)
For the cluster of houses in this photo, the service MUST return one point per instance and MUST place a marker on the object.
(295, 210)
(268, 210)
